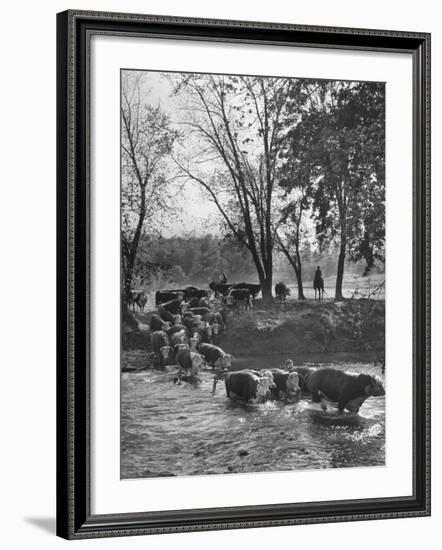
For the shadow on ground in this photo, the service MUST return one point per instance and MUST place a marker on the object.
(46, 524)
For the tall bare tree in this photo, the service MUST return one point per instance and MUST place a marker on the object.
(237, 123)
(147, 139)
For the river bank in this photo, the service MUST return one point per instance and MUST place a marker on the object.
(305, 331)
(307, 327)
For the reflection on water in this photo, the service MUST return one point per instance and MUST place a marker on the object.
(168, 429)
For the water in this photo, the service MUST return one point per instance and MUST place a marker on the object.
(182, 430)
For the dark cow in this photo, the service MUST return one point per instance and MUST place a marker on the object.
(193, 302)
(166, 315)
(281, 291)
(190, 362)
(215, 356)
(286, 383)
(164, 296)
(241, 297)
(189, 320)
(203, 302)
(247, 385)
(174, 306)
(156, 323)
(160, 346)
(254, 289)
(347, 389)
(219, 288)
(193, 292)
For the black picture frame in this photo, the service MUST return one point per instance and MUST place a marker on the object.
(74, 518)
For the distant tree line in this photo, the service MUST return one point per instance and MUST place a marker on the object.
(198, 260)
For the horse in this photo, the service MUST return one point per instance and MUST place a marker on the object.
(318, 285)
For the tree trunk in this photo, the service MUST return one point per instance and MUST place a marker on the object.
(298, 272)
(340, 275)
(297, 268)
(266, 290)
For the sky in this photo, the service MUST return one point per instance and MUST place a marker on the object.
(197, 214)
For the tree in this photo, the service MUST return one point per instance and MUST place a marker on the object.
(289, 236)
(345, 155)
(236, 123)
(146, 140)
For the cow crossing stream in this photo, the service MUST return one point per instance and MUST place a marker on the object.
(170, 430)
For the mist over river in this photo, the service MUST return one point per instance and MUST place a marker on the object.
(175, 430)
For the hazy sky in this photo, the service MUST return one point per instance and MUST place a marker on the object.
(197, 214)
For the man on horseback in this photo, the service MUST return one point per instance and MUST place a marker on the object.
(318, 283)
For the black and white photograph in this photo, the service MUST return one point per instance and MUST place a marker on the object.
(252, 274)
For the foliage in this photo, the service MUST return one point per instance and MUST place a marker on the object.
(337, 157)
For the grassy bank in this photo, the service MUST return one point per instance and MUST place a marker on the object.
(304, 327)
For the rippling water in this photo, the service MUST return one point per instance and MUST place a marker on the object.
(182, 430)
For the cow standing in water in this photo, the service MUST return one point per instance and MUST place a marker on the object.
(348, 390)
(318, 283)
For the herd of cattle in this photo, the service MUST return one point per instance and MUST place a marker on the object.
(324, 385)
(240, 295)
(188, 323)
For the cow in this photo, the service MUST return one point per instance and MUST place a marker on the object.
(136, 297)
(347, 389)
(174, 307)
(304, 373)
(286, 383)
(241, 298)
(189, 362)
(167, 316)
(215, 356)
(179, 340)
(204, 334)
(253, 288)
(141, 300)
(247, 385)
(189, 320)
(177, 328)
(281, 291)
(219, 288)
(215, 318)
(156, 323)
(193, 292)
(164, 296)
(193, 302)
(160, 346)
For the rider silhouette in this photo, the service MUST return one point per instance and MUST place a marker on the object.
(318, 276)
